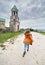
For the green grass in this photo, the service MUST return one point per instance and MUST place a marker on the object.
(42, 33)
(5, 36)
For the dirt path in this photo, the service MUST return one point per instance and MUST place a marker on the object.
(12, 55)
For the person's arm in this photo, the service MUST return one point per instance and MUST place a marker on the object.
(31, 37)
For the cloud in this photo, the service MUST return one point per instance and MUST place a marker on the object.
(35, 24)
(28, 9)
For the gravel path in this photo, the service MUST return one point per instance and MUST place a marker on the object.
(12, 55)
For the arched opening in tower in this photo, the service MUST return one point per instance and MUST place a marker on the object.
(17, 27)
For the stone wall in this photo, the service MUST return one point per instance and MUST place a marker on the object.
(2, 24)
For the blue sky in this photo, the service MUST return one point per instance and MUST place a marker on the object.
(31, 12)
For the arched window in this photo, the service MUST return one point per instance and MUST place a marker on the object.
(17, 27)
(14, 12)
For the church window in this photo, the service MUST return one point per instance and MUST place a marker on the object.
(18, 27)
(14, 12)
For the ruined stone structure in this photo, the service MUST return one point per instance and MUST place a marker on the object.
(14, 20)
(2, 23)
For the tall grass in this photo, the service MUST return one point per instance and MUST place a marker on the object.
(7, 35)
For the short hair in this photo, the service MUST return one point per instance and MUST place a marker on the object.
(26, 31)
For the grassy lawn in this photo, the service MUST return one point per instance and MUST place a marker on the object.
(42, 33)
(5, 36)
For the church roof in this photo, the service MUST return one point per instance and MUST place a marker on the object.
(2, 19)
(14, 7)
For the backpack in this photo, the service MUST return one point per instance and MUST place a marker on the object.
(31, 40)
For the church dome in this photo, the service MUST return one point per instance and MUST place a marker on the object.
(14, 7)
(2, 19)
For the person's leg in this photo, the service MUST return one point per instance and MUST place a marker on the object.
(27, 47)
(24, 47)
(24, 50)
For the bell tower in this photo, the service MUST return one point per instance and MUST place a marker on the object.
(14, 19)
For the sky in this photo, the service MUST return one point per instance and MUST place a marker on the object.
(31, 12)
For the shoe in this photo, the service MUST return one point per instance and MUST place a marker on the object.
(24, 53)
(27, 49)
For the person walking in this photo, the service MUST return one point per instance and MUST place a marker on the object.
(27, 41)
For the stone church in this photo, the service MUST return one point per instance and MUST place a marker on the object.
(2, 23)
(14, 20)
